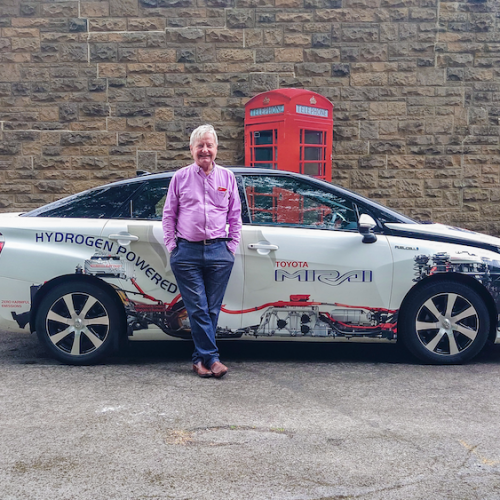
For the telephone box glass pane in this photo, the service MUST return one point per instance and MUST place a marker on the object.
(263, 137)
(313, 153)
(264, 154)
(313, 168)
(313, 137)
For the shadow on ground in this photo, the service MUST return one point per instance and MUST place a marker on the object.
(25, 349)
(300, 352)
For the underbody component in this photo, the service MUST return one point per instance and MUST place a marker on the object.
(327, 320)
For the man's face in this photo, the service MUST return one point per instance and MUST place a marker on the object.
(204, 151)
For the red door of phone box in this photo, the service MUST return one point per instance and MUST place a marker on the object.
(290, 129)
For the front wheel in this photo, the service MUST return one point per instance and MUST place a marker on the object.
(77, 322)
(445, 323)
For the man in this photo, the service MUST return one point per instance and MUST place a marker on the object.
(202, 198)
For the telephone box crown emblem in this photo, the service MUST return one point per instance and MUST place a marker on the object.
(312, 100)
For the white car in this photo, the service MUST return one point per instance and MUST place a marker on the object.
(315, 263)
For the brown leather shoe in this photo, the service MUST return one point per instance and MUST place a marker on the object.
(201, 371)
(218, 369)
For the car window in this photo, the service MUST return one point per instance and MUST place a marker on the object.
(275, 200)
(148, 202)
(245, 216)
(100, 203)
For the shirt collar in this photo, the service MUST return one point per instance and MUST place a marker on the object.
(199, 170)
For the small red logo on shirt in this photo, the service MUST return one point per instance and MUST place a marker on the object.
(222, 189)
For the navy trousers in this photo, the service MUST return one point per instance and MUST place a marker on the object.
(202, 273)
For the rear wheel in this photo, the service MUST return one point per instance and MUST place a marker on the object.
(77, 322)
(445, 323)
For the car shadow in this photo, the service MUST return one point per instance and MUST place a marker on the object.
(279, 351)
(23, 349)
(267, 351)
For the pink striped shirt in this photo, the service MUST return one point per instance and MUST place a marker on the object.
(198, 206)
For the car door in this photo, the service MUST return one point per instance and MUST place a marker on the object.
(302, 249)
(150, 283)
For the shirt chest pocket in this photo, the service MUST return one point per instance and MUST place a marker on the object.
(221, 199)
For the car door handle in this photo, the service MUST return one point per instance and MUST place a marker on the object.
(262, 246)
(123, 236)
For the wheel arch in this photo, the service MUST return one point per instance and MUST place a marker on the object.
(464, 280)
(53, 283)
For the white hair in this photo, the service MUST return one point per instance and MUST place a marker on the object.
(199, 132)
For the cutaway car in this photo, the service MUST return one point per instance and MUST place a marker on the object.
(316, 262)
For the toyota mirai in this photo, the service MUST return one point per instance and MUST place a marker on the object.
(315, 263)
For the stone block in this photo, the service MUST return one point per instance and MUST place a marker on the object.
(103, 52)
(77, 25)
(351, 148)
(475, 195)
(422, 15)
(73, 52)
(297, 39)
(68, 112)
(387, 147)
(431, 76)
(364, 179)
(14, 187)
(321, 40)
(94, 9)
(130, 138)
(29, 10)
(313, 69)
(146, 24)
(59, 10)
(112, 71)
(235, 55)
(482, 22)
(262, 82)
(340, 70)
(9, 149)
(55, 187)
(373, 162)
(146, 160)
(240, 18)
(369, 79)
(360, 34)
(155, 141)
(224, 36)
(94, 109)
(107, 24)
(320, 55)
(124, 8)
(272, 37)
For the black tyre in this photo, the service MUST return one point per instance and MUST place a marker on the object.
(445, 323)
(77, 322)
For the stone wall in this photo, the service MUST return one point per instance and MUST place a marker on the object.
(92, 90)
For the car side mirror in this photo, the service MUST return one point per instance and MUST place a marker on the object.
(365, 227)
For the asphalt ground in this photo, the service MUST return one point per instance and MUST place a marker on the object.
(289, 421)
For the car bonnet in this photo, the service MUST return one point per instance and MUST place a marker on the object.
(442, 232)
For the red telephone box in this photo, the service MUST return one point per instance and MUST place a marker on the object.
(290, 129)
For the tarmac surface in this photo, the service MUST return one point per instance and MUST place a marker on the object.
(289, 422)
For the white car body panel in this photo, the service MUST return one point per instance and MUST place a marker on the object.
(323, 265)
